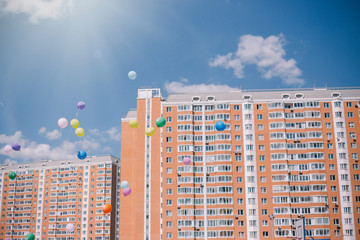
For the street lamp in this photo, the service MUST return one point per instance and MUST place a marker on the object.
(272, 217)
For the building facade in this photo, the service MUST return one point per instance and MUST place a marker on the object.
(285, 155)
(46, 196)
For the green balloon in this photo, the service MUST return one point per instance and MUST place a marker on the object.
(30, 236)
(160, 122)
(12, 175)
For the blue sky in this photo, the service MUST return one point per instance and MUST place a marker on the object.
(56, 53)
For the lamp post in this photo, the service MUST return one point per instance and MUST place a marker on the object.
(272, 217)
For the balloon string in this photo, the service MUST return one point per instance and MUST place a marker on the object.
(77, 113)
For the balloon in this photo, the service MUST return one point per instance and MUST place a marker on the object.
(126, 191)
(75, 123)
(63, 122)
(80, 105)
(124, 184)
(132, 75)
(8, 149)
(12, 175)
(70, 227)
(220, 126)
(107, 208)
(186, 160)
(133, 123)
(81, 154)
(160, 122)
(79, 132)
(150, 131)
(30, 236)
(15, 146)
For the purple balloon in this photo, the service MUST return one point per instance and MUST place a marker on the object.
(186, 160)
(15, 146)
(80, 105)
(126, 191)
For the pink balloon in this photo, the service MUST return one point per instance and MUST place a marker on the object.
(186, 160)
(63, 122)
(7, 149)
(70, 227)
(126, 191)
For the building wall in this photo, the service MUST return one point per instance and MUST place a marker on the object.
(51, 194)
(249, 168)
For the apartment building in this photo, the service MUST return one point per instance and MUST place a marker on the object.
(284, 155)
(47, 195)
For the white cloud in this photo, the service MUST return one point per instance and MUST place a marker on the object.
(42, 130)
(181, 87)
(266, 53)
(37, 9)
(55, 134)
(114, 134)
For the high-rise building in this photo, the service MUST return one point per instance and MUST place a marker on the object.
(45, 196)
(284, 156)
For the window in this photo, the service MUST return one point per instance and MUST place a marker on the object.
(168, 213)
(239, 190)
(333, 188)
(260, 127)
(351, 125)
(327, 115)
(169, 235)
(168, 139)
(237, 137)
(350, 114)
(169, 170)
(237, 117)
(355, 166)
(259, 116)
(239, 179)
(349, 104)
(262, 168)
(262, 179)
(238, 158)
(330, 146)
(168, 149)
(168, 160)
(261, 147)
(263, 190)
(169, 191)
(353, 145)
(264, 201)
(354, 156)
(326, 105)
(335, 210)
(168, 202)
(261, 158)
(332, 178)
(265, 234)
(168, 180)
(168, 109)
(168, 129)
(328, 125)
(236, 107)
(331, 156)
(259, 107)
(332, 166)
(168, 119)
(264, 212)
(265, 222)
(240, 223)
(329, 135)
(237, 127)
(169, 224)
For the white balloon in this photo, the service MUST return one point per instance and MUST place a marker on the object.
(7, 149)
(70, 227)
(132, 75)
(124, 184)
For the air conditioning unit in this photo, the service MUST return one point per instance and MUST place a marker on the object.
(336, 205)
(207, 174)
(300, 172)
(178, 207)
(201, 185)
(338, 226)
(236, 217)
(179, 174)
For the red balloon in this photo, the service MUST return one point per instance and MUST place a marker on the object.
(107, 208)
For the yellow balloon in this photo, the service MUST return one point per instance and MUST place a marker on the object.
(75, 123)
(150, 131)
(79, 132)
(133, 123)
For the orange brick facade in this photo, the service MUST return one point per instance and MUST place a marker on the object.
(47, 195)
(289, 153)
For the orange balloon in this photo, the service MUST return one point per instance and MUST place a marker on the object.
(107, 208)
